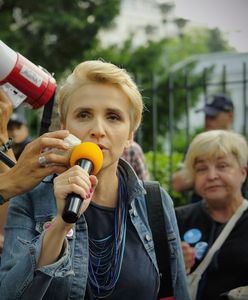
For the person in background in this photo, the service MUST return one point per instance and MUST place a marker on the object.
(19, 133)
(219, 114)
(27, 172)
(109, 252)
(135, 156)
(217, 162)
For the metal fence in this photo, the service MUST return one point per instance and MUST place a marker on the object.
(235, 86)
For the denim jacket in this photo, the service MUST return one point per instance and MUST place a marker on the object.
(67, 277)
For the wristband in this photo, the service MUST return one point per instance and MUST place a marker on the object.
(8, 145)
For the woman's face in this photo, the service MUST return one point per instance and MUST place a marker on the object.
(100, 113)
(219, 178)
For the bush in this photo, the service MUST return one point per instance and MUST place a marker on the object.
(164, 166)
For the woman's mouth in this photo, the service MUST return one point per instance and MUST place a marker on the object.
(102, 147)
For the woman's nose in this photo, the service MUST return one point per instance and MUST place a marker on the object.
(212, 173)
(98, 129)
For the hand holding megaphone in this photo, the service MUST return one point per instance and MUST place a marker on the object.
(74, 185)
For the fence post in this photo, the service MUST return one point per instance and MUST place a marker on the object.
(224, 79)
(154, 125)
(187, 105)
(171, 119)
(245, 99)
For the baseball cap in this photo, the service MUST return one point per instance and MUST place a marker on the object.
(17, 118)
(216, 104)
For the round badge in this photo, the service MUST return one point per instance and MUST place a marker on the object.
(192, 236)
(200, 249)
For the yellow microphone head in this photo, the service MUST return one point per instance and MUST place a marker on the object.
(89, 151)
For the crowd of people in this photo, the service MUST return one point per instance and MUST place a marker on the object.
(95, 258)
(218, 114)
(109, 252)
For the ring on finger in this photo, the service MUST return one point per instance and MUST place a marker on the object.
(69, 180)
(42, 161)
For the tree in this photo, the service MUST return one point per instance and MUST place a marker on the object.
(216, 42)
(59, 34)
(152, 61)
(52, 33)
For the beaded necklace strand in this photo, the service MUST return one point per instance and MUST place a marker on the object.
(106, 255)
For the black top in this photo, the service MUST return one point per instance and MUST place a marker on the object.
(229, 266)
(130, 284)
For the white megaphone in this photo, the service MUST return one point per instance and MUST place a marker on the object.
(23, 81)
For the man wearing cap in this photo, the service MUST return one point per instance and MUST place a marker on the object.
(218, 111)
(19, 133)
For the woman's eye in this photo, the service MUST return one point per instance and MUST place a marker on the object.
(113, 117)
(200, 168)
(83, 115)
(222, 166)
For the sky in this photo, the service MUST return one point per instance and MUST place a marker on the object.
(230, 16)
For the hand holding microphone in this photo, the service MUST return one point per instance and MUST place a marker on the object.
(73, 186)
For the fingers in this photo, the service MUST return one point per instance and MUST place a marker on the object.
(35, 165)
(1, 242)
(49, 159)
(6, 109)
(75, 180)
(94, 182)
(38, 153)
(49, 140)
(78, 182)
(188, 255)
(59, 134)
(4, 98)
(28, 172)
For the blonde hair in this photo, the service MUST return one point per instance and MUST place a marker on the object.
(215, 143)
(101, 72)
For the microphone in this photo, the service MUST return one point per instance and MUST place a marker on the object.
(89, 157)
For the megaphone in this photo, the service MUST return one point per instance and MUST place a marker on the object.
(23, 81)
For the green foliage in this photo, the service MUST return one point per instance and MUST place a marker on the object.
(216, 42)
(55, 34)
(150, 65)
(165, 166)
(60, 34)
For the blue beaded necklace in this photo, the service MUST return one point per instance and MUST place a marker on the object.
(106, 255)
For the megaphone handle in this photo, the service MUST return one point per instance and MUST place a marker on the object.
(6, 160)
(47, 116)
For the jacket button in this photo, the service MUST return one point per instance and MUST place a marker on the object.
(135, 213)
(148, 237)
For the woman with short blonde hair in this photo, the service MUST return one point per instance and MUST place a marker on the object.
(108, 253)
(214, 143)
(217, 164)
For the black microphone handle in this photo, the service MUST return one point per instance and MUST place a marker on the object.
(74, 202)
